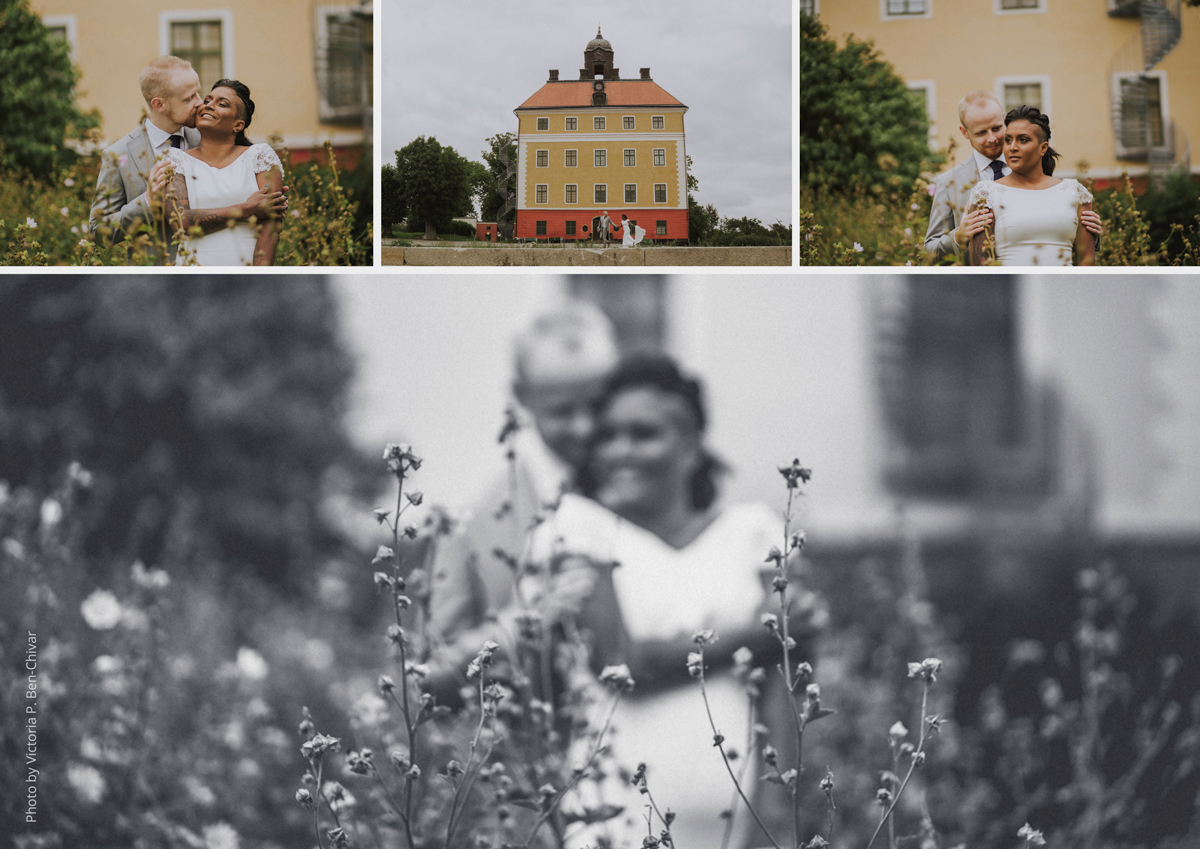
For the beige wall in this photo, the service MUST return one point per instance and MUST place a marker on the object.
(272, 52)
(965, 45)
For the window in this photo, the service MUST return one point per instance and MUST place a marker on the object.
(572, 123)
(631, 193)
(543, 158)
(808, 7)
(62, 28)
(601, 158)
(1004, 6)
(630, 158)
(907, 8)
(543, 124)
(1031, 91)
(543, 193)
(572, 193)
(571, 158)
(540, 229)
(627, 122)
(601, 193)
(660, 228)
(570, 228)
(202, 41)
(598, 123)
(660, 156)
(343, 63)
(660, 192)
(1141, 114)
(658, 122)
(927, 91)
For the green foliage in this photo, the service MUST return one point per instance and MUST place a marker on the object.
(208, 413)
(864, 227)
(38, 112)
(1172, 210)
(435, 183)
(702, 221)
(749, 232)
(391, 206)
(322, 223)
(859, 124)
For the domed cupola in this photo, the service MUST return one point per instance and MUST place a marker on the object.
(598, 60)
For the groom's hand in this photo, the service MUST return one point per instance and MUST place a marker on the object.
(1091, 223)
(160, 174)
(263, 204)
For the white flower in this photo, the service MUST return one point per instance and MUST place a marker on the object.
(909, 262)
(858, 247)
(122, 160)
(75, 230)
(914, 207)
(101, 610)
(86, 781)
(83, 243)
(221, 836)
(135, 619)
(251, 665)
(106, 664)
(198, 791)
(68, 182)
(368, 710)
(65, 211)
(52, 512)
(150, 579)
(30, 223)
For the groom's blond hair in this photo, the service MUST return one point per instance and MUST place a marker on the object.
(156, 77)
(976, 98)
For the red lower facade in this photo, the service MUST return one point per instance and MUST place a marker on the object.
(553, 223)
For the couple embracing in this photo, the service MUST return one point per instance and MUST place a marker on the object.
(189, 172)
(1003, 202)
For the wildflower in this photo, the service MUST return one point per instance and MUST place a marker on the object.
(415, 498)
(386, 684)
(338, 837)
(251, 665)
(401, 459)
(454, 770)
(742, 657)
(414, 772)
(295, 213)
(927, 669)
(304, 797)
(384, 553)
(796, 474)
(932, 190)
(617, 677)
(339, 798)
(771, 622)
(383, 579)
(30, 223)
(123, 160)
(87, 782)
(695, 664)
(483, 660)
(914, 207)
(316, 748)
(68, 182)
(770, 756)
(858, 248)
(395, 634)
(420, 671)
(51, 512)
(704, 637)
(883, 796)
(75, 230)
(804, 671)
(381, 515)
(818, 842)
(65, 211)
(897, 731)
(101, 610)
(149, 579)
(1031, 836)
(827, 782)
(220, 835)
(918, 759)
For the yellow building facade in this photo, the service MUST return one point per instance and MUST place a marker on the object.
(600, 144)
(308, 64)
(1120, 79)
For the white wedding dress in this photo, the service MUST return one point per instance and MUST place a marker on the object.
(1033, 226)
(632, 234)
(212, 188)
(663, 592)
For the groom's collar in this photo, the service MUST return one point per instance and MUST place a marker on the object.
(157, 136)
(982, 162)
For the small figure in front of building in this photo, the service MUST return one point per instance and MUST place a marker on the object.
(602, 227)
(633, 233)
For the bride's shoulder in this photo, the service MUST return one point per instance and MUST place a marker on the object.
(1078, 192)
(263, 158)
(178, 158)
(983, 191)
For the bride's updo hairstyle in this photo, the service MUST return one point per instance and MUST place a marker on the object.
(247, 110)
(1040, 120)
(660, 372)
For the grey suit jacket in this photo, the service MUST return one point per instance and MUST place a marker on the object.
(120, 202)
(949, 198)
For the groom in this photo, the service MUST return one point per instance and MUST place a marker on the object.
(133, 169)
(981, 121)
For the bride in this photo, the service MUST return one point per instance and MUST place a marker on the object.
(209, 183)
(1028, 217)
(633, 234)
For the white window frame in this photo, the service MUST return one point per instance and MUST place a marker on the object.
(568, 164)
(625, 193)
(816, 7)
(537, 124)
(665, 225)
(598, 123)
(654, 156)
(538, 157)
(566, 197)
(1163, 89)
(625, 156)
(68, 23)
(883, 12)
(599, 186)
(539, 187)
(625, 118)
(603, 150)
(998, 9)
(1040, 79)
(660, 118)
(574, 129)
(666, 193)
(929, 89)
(326, 110)
(190, 16)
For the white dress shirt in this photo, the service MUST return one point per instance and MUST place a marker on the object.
(985, 166)
(160, 139)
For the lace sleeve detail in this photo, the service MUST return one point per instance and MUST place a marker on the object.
(1082, 195)
(263, 158)
(982, 194)
(176, 157)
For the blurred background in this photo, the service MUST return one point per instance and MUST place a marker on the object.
(1006, 475)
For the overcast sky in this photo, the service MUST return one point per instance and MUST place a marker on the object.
(457, 69)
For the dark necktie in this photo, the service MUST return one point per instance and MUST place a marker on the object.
(177, 141)
(997, 169)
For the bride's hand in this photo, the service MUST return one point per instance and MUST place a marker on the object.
(976, 221)
(263, 204)
(160, 175)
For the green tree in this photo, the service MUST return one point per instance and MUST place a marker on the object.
(435, 184)
(391, 205)
(209, 414)
(859, 124)
(491, 196)
(37, 95)
(702, 220)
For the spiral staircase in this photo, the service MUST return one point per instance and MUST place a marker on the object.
(505, 218)
(1142, 133)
